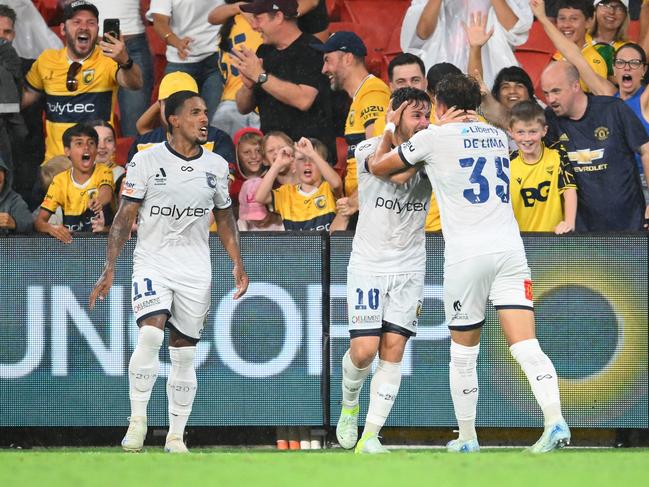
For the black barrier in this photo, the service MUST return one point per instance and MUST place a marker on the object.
(260, 361)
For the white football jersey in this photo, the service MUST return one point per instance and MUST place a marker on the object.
(390, 236)
(468, 166)
(177, 195)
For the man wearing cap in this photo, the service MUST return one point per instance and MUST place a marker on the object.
(344, 65)
(79, 82)
(283, 79)
(217, 140)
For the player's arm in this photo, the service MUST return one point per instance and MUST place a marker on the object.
(119, 233)
(228, 233)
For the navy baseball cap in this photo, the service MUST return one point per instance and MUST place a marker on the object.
(343, 41)
(73, 7)
(287, 7)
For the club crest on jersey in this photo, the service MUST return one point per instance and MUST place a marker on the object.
(88, 75)
(211, 180)
(320, 202)
(601, 133)
(351, 117)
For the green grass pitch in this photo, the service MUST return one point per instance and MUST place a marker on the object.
(327, 468)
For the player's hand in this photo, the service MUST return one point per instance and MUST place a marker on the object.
(563, 227)
(538, 9)
(240, 281)
(394, 116)
(115, 49)
(456, 115)
(61, 232)
(476, 29)
(101, 288)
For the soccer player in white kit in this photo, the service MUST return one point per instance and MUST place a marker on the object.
(468, 166)
(385, 277)
(171, 188)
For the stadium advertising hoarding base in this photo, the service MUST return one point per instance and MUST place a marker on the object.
(260, 359)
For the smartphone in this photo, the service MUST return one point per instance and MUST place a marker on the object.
(111, 26)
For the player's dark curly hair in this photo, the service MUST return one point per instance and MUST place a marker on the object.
(175, 102)
(411, 95)
(459, 91)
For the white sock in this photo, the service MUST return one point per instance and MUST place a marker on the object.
(542, 378)
(383, 392)
(352, 382)
(181, 388)
(463, 379)
(143, 368)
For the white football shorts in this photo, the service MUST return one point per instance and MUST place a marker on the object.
(384, 303)
(186, 306)
(504, 278)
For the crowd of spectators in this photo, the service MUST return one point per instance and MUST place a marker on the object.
(283, 85)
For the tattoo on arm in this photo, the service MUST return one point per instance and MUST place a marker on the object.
(228, 233)
(120, 229)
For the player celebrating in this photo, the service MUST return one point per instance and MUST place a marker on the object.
(484, 256)
(385, 277)
(172, 188)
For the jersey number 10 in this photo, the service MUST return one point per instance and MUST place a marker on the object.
(482, 194)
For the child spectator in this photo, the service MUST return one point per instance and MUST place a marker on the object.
(106, 149)
(46, 173)
(249, 159)
(310, 204)
(253, 215)
(540, 176)
(271, 145)
(84, 192)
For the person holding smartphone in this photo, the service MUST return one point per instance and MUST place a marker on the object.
(79, 81)
(132, 103)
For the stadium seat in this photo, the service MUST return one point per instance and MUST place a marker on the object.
(634, 31)
(333, 9)
(123, 146)
(391, 50)
(57, 30)
(50, 10)
(158, 51)
(538, 40)
(533, 62)
(381, 15)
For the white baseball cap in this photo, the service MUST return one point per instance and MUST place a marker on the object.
(624, 2)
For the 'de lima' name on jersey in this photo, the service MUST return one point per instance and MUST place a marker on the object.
(469, 172)
(389, 236)
(177, 196)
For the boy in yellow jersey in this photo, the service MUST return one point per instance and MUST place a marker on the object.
(310, 204)
(543, 190)
(84, 192)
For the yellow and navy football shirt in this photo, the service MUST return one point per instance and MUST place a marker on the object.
(536, 189)
(72, 197)
(368, 106)
(305, 211)
(242, 34)
(592, 57)
(92, 100)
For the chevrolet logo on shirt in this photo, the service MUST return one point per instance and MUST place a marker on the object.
(586, 156)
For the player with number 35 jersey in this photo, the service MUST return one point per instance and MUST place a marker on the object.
(468, 165)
